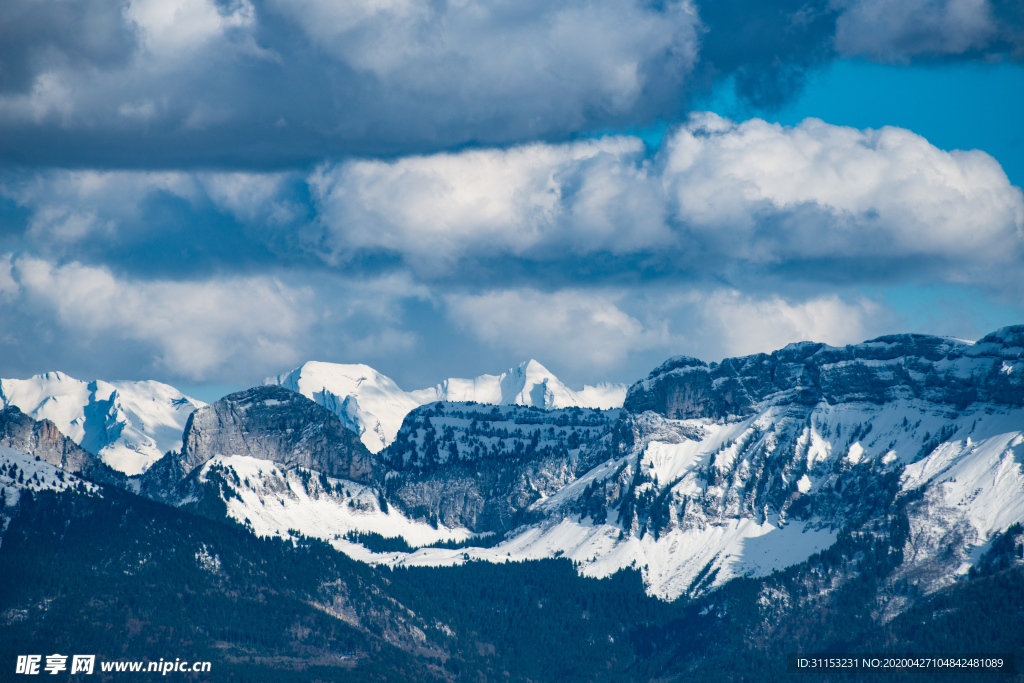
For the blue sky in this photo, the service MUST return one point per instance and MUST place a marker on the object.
(207, 192)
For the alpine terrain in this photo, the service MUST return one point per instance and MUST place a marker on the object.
(871, 486)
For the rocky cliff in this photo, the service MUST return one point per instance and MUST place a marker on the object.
(275, 424)
(481, 467)
(936, 369)
(42, 439)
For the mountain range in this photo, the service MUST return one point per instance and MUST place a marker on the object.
(373, 406)
(899, 458)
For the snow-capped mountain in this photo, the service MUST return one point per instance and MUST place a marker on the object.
(708, 471)
(528, 384)
(374, 406)
(367, 402)
(739, 468)
(130, 425)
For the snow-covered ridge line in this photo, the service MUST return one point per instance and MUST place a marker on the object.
(373, 405)
(129, 425)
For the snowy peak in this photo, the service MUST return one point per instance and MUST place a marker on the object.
(366, 401)
(528, 384)
(373, 405)
(130, 425)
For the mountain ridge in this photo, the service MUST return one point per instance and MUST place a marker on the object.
(128, 424)
(710, 472)
(373, 405)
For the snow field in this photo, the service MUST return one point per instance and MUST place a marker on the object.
(130, 425)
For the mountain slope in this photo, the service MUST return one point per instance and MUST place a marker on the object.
(109, 573)
(373, 406)
(130, 425)
(709, 473)
(752, 465)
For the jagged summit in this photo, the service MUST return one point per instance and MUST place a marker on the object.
(367, 402)
(527, 384)
(130, 425)
(373, 405)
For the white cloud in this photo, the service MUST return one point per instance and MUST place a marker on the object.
(767, 193)
(743, 324)
(504, 51)
(717, 192)
(575, 328)
(438, 209)
(252, 197)
(69, 206)
(604, 331)
(171, 27)
(194, 328)
(209, 80)
(717, 195)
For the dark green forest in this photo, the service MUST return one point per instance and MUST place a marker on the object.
(126, 578)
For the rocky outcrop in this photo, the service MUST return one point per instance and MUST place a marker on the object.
(273, 423)
(42, 439)
(481, 467)
(935, 369)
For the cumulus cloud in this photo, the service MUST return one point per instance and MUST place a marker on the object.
(591, 255)
(574, 328)
(898, 30)
(769, 193)
(260, 83)
(742, 324)
(719, 200)
(221, 328)
(583, 331)
(257, 82)
(718, 193)
(437, 210)
(193, 327)
(157, 222)
(504, 51)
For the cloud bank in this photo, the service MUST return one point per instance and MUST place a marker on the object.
(593, 254)
(264, 83)
(717, 194)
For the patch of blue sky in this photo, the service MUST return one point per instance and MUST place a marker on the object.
(952, 310)
(953, 105)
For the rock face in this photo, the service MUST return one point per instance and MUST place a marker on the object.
(481, 467)
(275, 424)
(910, 366)
(43, 439)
